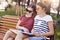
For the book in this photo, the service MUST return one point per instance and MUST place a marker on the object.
(17, 31)
(27, 33)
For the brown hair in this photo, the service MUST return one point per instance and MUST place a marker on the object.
(42, 5)
(34, 9)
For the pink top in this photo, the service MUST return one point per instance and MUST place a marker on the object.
(27, 22)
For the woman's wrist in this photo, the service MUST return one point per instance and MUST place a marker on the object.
(40, 35)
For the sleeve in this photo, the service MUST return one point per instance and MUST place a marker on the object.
(21, 17)
(49, 18)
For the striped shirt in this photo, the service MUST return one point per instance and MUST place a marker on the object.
(40, 24)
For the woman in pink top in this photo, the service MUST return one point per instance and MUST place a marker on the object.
(25, 24)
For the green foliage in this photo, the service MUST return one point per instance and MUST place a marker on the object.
(57, 31)
(53, 16)
(9, 11)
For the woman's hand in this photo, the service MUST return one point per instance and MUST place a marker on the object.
(35, 33)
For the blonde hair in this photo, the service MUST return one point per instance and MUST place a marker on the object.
(42, 5)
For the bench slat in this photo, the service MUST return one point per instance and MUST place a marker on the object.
(12, 20)
(8, 22)
(7, 25)
(10, 17)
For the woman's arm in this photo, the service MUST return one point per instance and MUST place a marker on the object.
(51, 30)
(17, 25)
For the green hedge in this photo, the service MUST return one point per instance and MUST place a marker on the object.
(9, 11)
(57, 31)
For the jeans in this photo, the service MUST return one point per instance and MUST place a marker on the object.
(36, 38)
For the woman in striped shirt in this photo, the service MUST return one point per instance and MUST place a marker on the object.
(43, 24)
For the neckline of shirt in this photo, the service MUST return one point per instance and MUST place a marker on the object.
(42, 17)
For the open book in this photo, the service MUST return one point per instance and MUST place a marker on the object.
(27, 33)
(17, 31)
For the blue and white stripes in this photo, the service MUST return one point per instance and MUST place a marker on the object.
(41, 26)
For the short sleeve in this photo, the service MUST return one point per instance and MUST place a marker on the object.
(49, 18)
(21, 17)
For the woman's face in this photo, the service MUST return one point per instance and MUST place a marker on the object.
(29, 10)
(39, 9)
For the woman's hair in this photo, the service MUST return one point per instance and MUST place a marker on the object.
(42, 5)
(34, 9)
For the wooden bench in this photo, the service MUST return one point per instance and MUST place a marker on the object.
(7, 22)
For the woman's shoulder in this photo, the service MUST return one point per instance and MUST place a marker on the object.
(48, 16)
(21, 16)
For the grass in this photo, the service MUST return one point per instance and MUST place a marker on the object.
(8, 12)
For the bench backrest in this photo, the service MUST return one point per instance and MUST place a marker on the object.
(7, 22)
